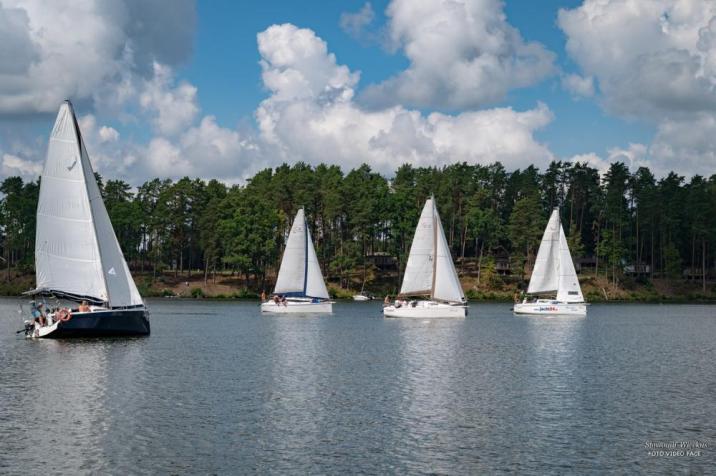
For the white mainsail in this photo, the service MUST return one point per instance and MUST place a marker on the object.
(299, 273)
(554, 269)
(430, 269)
(544, 275)
(418, 277)
(76, 250)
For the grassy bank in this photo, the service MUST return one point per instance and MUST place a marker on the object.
(595, 288)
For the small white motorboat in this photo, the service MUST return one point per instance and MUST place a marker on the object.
(430, 273)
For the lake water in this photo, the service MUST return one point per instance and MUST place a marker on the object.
(218, 388)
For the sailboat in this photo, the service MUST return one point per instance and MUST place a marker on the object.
(77, 255)
(429, 273)
(362, 296)
(554, 273)
(299, 287)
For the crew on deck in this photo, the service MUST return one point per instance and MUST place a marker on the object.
(38, 313)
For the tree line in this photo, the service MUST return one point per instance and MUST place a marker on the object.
(662, 227)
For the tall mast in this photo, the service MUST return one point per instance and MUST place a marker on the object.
(305, 254)
(435, 247)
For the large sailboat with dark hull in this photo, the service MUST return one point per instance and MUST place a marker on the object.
(77, 255)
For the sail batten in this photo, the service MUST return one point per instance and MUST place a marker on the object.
(76, 250)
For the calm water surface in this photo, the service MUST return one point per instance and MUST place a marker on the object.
(217, 388)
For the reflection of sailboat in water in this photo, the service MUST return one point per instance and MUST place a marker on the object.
(554, 273)
(77, 255)
(299, 287)
(429, 272)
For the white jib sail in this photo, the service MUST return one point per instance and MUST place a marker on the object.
(300, 273)
(568, 287)
(545, 275)
(418, 277)
(447, 284)
(315, 286)
(76, 251)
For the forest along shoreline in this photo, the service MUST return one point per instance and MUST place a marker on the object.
(633, 236)
(226, 286)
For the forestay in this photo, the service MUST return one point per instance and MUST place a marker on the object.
(300, 273)
(76, 250)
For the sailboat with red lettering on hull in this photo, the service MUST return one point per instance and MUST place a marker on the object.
(553, 274)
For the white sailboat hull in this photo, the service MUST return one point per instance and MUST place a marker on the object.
(361, 297)
(42, 331)
(550, 308)
(426, 310)
(297, 307)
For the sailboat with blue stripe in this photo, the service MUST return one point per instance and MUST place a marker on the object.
(300, 287)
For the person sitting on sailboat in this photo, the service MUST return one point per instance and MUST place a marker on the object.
(386, 301)
(84, 307)
(37, 314)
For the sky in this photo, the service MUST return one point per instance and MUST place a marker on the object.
(222, 89)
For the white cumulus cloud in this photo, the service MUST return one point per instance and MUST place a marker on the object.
(84, 50)
(14, 165)
(355, 24)
(173, 107)
(463, 54)
(654, 61)
(311, 115)
(578, 85)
